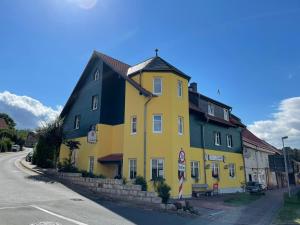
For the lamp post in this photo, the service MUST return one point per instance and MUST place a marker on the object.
(285, 164)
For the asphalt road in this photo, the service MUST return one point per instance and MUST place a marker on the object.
(27, 198)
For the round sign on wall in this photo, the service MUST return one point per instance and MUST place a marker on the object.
(181, 156)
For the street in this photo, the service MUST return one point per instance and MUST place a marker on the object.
(26, 199)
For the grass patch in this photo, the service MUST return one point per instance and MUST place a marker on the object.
(240, 199)
(290, 211)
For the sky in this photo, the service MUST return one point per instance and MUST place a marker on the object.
(249, 50)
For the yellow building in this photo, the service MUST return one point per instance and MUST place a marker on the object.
(138, 120)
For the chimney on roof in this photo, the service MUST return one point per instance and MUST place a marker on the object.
(193, 87)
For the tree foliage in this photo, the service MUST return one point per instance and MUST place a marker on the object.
(10, 122)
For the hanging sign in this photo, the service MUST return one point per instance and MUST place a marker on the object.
(92, 137)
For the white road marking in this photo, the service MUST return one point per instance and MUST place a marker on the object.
(216, 213)
(59, 216)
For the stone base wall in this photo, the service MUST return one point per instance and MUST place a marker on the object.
(113, 188)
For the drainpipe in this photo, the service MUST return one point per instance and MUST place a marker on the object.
(203, 146)
(145, 134)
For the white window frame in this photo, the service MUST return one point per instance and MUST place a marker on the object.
(179, 88)
(232, 170)
(217, 138)
(134, 168)
(153, 123)
(215, 167)
(95, 100)
(226, 114)
(193, 167)
(180, 125)
(211, 109)
(132, 124)
(229, 141)
(157, 162)
(161, 85)
(91, 164)
(96, 75)
(77, 122)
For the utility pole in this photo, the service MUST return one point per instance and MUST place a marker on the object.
(285, 165)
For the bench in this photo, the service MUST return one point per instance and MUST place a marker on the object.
(201, 189)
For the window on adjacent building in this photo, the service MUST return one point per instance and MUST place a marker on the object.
(132, 168)
(133, 124)
(77, 122)
(157, 86)
(157, 168)
(229, 141)
(96, 75)
(195, 169)
(231, 168)
(179, 88)
(211, 109)
(94, 102)
(157, 123)
(226, 114)
(180, 125)
(91, 164)
(215, 170)
(217, 138)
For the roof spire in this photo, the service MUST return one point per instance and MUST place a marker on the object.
(156, 52)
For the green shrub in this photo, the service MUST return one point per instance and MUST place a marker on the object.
(139, 180)
(67, 167)
(5, 144)
(44, 153)
(163, 191)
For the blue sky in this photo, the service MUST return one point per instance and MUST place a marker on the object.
(250, 50)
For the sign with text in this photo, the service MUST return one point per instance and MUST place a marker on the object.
(215, 157)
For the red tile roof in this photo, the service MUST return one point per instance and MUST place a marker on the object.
(3, 124)
(111, 158)
(250, 138)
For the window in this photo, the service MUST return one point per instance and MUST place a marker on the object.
(229, 141)
(211, 109)
(215, 170)
(157, 168)
(217, 138)
(132, 168)
(91, 164)
(157, 123)
(96, 75)
(179, 88)
(180, 125)
(94, 102)
(133, 124)
(77, 122)
(195, 169)
(157, 86)
(232, 170)
(226, 114)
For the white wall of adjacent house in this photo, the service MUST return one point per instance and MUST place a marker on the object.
(257, 167)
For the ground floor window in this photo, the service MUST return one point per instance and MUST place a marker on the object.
(231, 170)
(91, 164)
(132, 168)
(195, 169)
(157, 168)
(215, 170)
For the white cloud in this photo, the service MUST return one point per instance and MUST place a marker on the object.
(26, 111)
(284, 122)
(84, 4)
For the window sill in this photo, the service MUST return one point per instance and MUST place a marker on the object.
(132, 134)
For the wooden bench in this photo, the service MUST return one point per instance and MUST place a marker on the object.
(201, 189)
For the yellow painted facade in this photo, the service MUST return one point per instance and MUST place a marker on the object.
(165, 145)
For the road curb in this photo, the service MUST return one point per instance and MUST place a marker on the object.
(29, 168)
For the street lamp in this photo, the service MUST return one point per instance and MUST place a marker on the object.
(285, 164)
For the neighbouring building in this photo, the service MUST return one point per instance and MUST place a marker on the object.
(144, 120)
(31, 139)
(256, 156)
(3, 124)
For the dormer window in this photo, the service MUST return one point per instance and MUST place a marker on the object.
(96, 75)
(211, 109)
(157, 86)
(226, 114)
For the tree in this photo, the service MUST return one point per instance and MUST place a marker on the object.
(72, 145)
(10, 122)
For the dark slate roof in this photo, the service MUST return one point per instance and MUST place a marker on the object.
(156, 64)
(3, 124)
(210, 99)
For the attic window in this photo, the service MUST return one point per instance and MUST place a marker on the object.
(96, 75)
(211, 109)
(226, 114)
